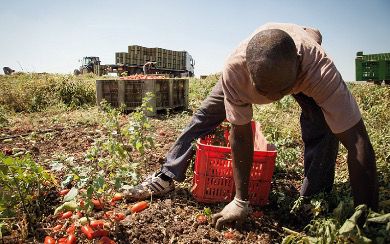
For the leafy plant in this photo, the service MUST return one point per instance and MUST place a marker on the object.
(21, 182)
(363, 226)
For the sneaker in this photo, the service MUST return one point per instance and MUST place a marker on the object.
(152, 185)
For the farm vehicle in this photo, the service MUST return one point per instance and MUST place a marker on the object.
(167, 62)
(373, 67)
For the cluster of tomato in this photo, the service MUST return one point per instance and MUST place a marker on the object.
(142, 77)
(92, 229)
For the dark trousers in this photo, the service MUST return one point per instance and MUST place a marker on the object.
(321, 145)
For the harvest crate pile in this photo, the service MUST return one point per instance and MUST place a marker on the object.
(138, 55)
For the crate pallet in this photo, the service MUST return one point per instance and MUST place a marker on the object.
(168, 93)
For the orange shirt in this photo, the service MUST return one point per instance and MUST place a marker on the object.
(317, 78)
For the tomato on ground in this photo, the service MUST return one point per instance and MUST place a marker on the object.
(49, 240)
(57, 227)
(88, 231)
(139, 206)
(201, 219)
(71, 239)
(64, 192)
(98, 204)
(97, 223)
(229, 235)
(119, 216)
(66, 215)
(100, 233)
(71, 229)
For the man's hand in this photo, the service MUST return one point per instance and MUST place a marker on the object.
(237, 210)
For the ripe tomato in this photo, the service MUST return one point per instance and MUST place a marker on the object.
(62, 240)
(57, 227)
(97, 223)
(71, 239)
(108, 214)
(49, 240)
(119, 216)
(201, 219)
(71, 229)
(98, 204)
(117, 197)
(66, 215)
(139, 206)
(100, 233)
(106, 240)
(88, 231)
(64, 192)
(229, 235)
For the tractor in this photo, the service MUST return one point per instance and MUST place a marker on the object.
(88, 65)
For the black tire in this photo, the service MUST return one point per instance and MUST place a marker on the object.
(387, 82)
(377, 82)
(76, 72)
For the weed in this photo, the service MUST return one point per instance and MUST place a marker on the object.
(3, 117)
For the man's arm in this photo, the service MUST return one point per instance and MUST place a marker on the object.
(241, 141)
(361, 165)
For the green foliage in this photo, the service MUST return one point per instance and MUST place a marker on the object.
(200, 88)
(138, 126)
(76, 93)
(21, 181)
(3, 117)
(207, 212)
(336, 228)
(36, 92)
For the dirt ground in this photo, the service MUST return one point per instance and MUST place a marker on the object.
(170, 219)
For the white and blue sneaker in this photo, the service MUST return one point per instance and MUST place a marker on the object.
(153, 185)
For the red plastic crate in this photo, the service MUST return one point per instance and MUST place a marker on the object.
(213, 178)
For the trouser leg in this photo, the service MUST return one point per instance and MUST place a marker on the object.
(207, 118)
(321, 148)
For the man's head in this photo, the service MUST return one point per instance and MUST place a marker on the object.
(272, 62)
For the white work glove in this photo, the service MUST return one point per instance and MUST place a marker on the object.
(237, 210)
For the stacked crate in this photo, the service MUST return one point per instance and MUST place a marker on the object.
(168, 93)
(138, 55)
(120, 57)
(373, 67)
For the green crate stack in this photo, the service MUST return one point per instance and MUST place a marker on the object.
(373, 67)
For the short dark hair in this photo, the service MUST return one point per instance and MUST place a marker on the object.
(271, 58)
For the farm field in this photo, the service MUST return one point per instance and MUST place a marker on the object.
(54, 137)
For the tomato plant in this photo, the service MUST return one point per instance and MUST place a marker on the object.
(21, 179)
